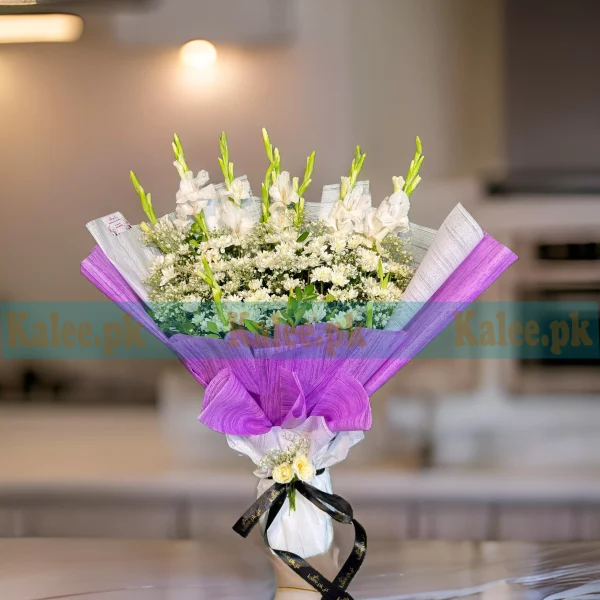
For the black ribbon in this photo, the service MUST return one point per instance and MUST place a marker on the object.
(337, 508)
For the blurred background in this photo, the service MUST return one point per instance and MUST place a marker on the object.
(504, 95)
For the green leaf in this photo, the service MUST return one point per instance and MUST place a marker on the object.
(213, 335)
(303, 237)
(309, 290)
(329, 298)
(300, 312)
(369, 320)
(212, 327)
(251, 326)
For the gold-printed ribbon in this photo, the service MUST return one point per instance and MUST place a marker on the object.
(337, 508)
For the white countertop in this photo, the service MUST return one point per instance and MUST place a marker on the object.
(159, 570)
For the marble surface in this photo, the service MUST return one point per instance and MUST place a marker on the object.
(183, 570)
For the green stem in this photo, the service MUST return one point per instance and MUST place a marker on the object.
(200, 219)
(292, 496)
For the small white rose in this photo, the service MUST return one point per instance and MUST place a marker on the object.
(303, 468)
(283, 473)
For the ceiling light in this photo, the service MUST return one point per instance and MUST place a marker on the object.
(19, 29)
(198, 54)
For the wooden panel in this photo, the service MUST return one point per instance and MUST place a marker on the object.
(453, 522)
(119, 521)
(384, 521)
(536, 524)
(588, 524)
(11, 522)
(214, 522)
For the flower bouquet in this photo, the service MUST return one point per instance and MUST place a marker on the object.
(291, 314)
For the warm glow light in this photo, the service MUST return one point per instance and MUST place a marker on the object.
(198, 54)
(19, 29)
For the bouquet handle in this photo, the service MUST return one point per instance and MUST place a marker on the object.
(337, 508)
(290, 586)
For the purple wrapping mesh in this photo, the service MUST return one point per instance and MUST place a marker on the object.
(474, 275)
(97, 269)
(252, 384)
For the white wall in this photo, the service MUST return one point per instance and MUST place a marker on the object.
(432, 68)
(76, 118)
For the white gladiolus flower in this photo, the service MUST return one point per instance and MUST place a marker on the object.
(190, 185)
(192, 198)
(236, 218)
(348, 214)
(282, 191)
(168, 273)
(239, 190)
(279, 217)
(398, 183)
(393, 213)
(372, 226)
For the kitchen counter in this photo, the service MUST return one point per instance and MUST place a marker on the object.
(160, 570)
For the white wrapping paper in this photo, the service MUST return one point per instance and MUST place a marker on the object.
(307, 531)
(453, 242)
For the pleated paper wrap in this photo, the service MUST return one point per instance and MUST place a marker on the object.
(259, 390)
